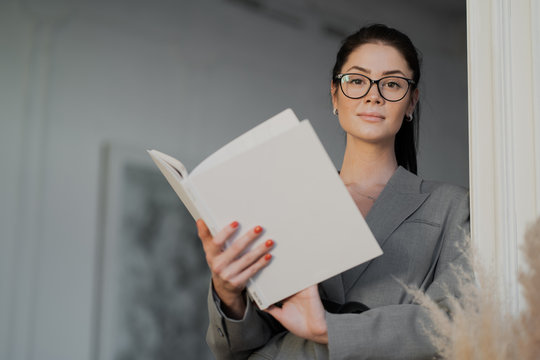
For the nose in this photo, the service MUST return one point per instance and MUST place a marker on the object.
(373, 95)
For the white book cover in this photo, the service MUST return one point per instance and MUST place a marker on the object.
(279, 176)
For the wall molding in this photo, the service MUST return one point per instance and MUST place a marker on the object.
(502, 131)
(42, 30)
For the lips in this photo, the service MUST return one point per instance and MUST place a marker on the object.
(371, 116)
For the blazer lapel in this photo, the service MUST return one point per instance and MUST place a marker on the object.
(332, 289)
(398, 200)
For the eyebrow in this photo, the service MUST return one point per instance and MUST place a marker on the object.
(389, 72)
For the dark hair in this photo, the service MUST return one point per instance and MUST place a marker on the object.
(407, 136)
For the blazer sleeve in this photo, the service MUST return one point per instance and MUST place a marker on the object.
(400, 331)
(231, 339)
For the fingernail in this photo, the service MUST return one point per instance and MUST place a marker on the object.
(234, 224)
(267, 257)
(257, 229)
(269, 243)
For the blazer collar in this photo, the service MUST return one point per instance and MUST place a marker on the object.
(399, 199)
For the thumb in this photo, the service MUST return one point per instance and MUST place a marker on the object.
(275, 311)
(202, 229)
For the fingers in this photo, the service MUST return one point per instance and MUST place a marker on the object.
(230, 280)
(203, 231)
(214, 245)
(239, 272)
(257, 254)
(240, 244)
(234, 265)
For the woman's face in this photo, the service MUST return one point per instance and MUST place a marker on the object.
(372, 118)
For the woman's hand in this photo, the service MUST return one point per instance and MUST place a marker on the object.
(303, 315)
(231, 268)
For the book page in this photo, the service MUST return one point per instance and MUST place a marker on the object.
(176, 174)
(276, 125)
(289, 186)
(174, 163)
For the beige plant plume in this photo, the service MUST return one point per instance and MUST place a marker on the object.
(528, 326)
(479, 327)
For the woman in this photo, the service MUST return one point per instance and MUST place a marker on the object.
(420, 225)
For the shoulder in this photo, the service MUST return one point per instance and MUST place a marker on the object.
(405, 181)
(443, 190)
(438, 199)
(446, 198)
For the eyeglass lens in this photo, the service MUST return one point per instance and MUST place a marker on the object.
(391, 88)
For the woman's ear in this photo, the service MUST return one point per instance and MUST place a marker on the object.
(333, 94)
(414, 100)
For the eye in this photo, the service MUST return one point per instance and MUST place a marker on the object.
(355, 80)
(393, 85)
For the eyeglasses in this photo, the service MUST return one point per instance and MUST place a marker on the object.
(391, 88)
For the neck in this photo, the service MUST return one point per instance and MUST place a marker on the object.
(368, 164)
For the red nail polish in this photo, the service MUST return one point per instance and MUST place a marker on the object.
(234, 224)
(267, 257)
(257, 229)
(269, 243)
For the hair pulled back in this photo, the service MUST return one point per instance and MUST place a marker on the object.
(407, 136)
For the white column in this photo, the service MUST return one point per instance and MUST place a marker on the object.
(503, 128)
(535, 41)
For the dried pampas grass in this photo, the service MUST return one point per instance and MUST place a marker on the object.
(527, 328)
(479, 327)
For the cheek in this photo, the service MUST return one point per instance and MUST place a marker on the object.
(347, 109)
(342, 120)
(399, 111)
(397, 114)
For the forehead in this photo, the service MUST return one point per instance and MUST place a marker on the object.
(377, 58)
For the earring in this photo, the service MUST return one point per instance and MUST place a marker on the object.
(335, 112)
(409, 118)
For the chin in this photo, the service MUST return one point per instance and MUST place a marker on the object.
(368, 138)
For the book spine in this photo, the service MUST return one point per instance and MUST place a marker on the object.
(256, 295)
(199, 204)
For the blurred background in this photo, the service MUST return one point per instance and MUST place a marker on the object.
(98, 259)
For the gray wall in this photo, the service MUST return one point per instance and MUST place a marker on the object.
(181, 76)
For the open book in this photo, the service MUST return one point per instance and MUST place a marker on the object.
(279, 176)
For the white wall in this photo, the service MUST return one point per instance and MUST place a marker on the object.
(183, 77)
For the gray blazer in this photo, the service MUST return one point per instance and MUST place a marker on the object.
(422, 227)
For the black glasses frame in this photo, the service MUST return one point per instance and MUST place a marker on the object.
(371, 82)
